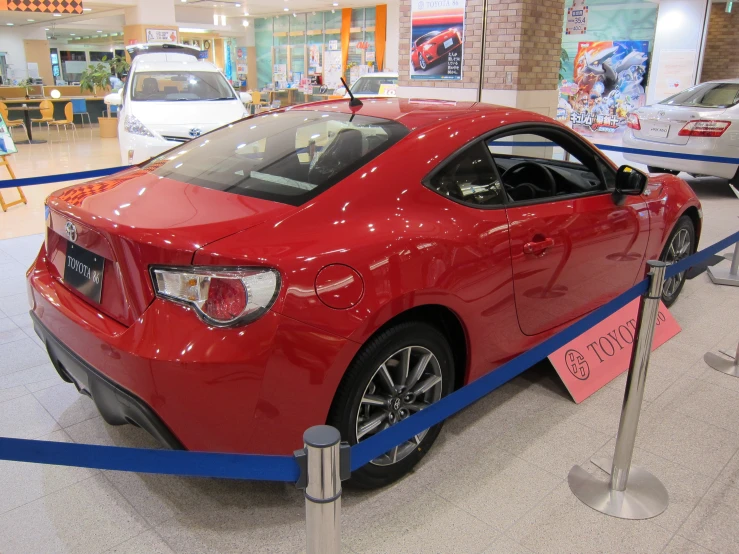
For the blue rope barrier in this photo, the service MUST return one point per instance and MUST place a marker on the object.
(141, 460)
(61, 177)
(386, 440)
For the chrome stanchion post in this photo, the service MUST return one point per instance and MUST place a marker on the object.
(720, 275)
(324, 463)
(632, 492)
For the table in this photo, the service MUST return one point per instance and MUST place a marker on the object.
(27, 120)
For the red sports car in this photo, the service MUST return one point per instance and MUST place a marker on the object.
(329, 263)
(432, 46)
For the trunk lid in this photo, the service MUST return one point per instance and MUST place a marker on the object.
(136, 219)
(662, 123)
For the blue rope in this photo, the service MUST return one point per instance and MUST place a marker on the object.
(141, 460)
(61, 177)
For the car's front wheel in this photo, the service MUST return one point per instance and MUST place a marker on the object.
(422, 62)
(399, 372)
(680, 244)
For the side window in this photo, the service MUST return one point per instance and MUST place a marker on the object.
(469, 178)
(539, 166)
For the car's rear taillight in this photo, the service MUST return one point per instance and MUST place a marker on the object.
(222, 297)
(632, 122)
(704, 128)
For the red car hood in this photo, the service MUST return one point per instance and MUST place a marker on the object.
(136, 219)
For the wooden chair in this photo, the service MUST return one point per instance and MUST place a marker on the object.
(47, 114)
(68, 120)
(11, 123)
(256, 103)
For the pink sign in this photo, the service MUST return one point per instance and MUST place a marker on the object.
(602, 353)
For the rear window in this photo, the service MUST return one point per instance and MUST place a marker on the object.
(707, 95)
(287, 157)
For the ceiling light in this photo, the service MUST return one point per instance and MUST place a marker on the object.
(223, 20)
(335, 3)
(31, 20)
(285, 10)
(245, 23)
(72, 34)
(183, 0)
(333, 11)
(237, 5)
(46, 29)
(56, 14)
(295, 15)
(246, 13)
(86, 9)
(10, 24)
(215, 19)
(98, 31)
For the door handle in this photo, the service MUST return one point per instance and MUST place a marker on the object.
(538, 246)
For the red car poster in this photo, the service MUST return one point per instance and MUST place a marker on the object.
(437, 33)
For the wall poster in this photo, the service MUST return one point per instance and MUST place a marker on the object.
(607, 85)
(6, 140)
(161, 35)
(437, 33)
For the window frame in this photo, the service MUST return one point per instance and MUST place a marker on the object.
(528, 128)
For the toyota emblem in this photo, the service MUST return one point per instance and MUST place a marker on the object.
(195, 132)
(71, 230)
(661, 114)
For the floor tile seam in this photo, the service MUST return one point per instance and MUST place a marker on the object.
(16, 397)
(29, 368)
(460, 508)
(92, 416)
(95, 473)
(692, 542)
(703, 496)
(24, 337)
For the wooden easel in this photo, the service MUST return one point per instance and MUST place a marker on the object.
(22, 200)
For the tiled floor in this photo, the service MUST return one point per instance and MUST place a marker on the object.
(495, 482)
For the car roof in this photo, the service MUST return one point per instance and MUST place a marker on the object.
(145, 63)
(732, 81)
(417, 114)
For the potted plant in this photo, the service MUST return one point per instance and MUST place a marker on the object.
(27, 84)
(94, 76)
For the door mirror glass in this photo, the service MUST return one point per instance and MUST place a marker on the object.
(630, 181)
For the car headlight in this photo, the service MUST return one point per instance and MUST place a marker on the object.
(221, 297)
(132, 125)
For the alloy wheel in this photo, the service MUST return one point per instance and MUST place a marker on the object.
(680, 247)
(407, 382)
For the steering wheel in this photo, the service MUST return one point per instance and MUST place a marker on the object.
(541, 169)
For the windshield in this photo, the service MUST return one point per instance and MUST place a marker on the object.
(707, 95)
(171, 86)
(371, 85)
(287, 157)
(427, 37)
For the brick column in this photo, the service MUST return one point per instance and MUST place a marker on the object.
(467, 88)
(721, 57)
(522, 48)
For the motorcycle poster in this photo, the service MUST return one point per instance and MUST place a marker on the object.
(437, 34)
(608, 84)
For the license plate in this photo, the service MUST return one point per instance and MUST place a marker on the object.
(448, 43)
(83, 271)
(659, 131)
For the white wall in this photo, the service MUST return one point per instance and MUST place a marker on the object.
(151, 12)
(680, 25)
(392, 37)
(11, 44)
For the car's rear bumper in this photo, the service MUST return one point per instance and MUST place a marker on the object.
(254, 388)
(694, 167)
(117, 405)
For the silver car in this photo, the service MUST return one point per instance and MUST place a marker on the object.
(702, 120)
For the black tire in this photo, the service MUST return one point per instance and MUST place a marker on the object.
(347, 402)
(653, 169)
(421, 62)
(670, 292)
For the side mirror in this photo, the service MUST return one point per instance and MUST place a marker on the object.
(630, 181)
(245, 97)
(113, 99)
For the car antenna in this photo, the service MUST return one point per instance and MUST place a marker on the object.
(354, 101)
